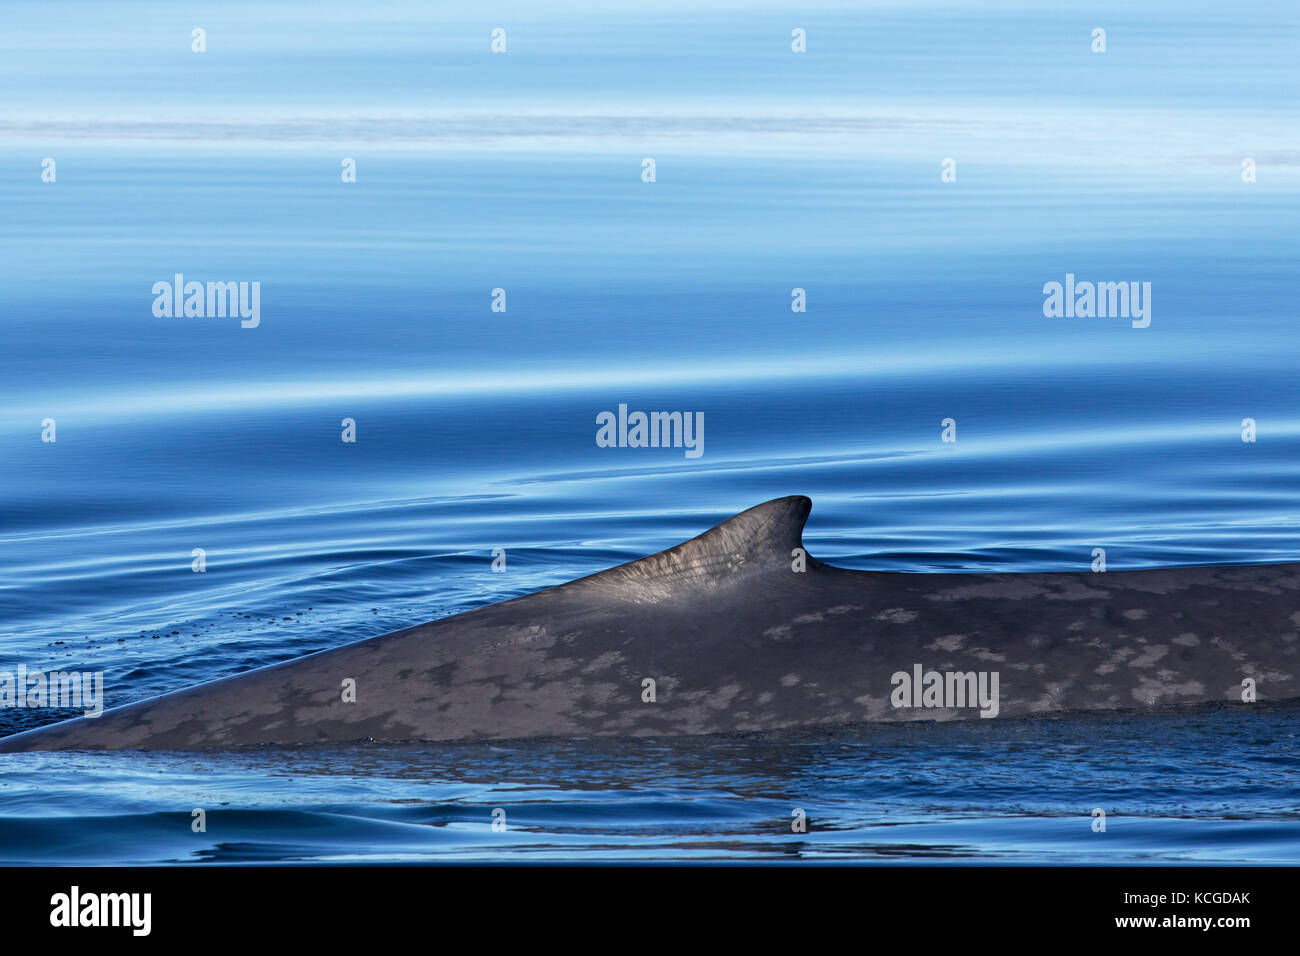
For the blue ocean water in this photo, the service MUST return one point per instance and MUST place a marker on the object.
(476, 429)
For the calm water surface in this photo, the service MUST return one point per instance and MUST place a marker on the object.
(476, 429)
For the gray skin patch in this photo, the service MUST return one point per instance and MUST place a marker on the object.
(897, 615)
(735, 640)
(950, 642)
(1149, 656)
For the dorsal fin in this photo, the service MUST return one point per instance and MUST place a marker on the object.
(753, 541)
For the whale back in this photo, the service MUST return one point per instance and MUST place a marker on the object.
(736, 630)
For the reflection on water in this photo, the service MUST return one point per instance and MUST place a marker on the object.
(984, 791)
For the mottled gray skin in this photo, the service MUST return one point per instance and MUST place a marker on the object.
(736, 640)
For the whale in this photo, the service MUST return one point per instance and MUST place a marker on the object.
(741, 630)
